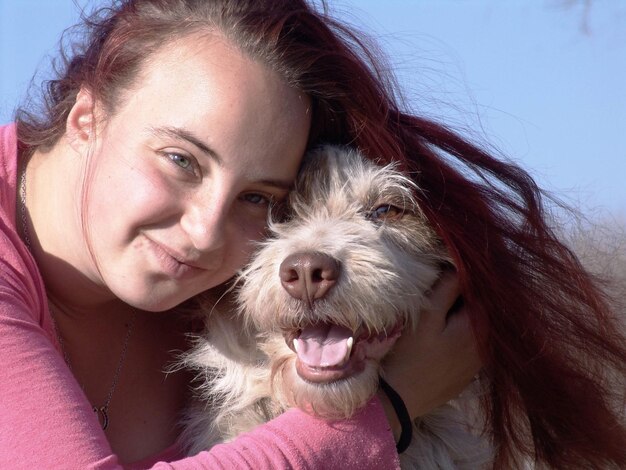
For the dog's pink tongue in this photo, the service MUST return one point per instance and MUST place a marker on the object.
(323, 345)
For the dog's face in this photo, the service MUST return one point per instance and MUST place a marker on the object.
(339, 279)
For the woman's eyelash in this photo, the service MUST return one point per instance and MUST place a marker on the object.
(256, 198)
(180, 160)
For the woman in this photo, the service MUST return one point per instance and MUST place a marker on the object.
(144, 185)
(164, 141)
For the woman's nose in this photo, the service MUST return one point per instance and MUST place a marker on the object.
(204, 222)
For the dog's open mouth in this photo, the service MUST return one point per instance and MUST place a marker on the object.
(328, 353)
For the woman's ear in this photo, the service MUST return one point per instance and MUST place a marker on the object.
(81, 122)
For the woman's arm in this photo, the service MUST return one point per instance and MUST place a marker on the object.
(47, 422)
(298, 440)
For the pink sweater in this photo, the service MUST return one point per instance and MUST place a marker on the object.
(47, 422)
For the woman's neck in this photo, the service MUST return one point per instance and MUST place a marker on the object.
(51, 193)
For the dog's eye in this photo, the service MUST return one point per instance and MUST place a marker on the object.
(385, 212)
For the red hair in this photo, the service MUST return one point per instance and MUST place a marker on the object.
(554, 354)
(553, 348)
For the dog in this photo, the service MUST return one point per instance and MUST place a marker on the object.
(309, 320)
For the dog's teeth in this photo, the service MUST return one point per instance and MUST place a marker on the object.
(349, 343)
(295, 345)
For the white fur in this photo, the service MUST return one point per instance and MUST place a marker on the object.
(246, 370)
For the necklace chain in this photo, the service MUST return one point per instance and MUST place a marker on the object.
(102, 411)
(25, 233)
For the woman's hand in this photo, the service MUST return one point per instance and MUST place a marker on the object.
(434, 363)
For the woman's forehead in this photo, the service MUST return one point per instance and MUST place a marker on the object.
(233, 104)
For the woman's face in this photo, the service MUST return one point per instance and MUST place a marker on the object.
(182, 174)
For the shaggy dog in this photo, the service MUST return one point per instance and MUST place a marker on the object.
(320, 305)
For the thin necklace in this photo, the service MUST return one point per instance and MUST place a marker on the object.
(101, 411)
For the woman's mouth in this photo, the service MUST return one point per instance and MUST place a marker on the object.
(170, 263)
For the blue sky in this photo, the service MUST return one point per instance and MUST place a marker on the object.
(542, 82)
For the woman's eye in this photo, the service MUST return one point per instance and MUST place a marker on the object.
(385, 212)
(257, 199)
(182, 161)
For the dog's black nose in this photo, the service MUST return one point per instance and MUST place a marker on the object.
(309, 275)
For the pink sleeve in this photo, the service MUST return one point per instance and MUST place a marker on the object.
(297, 440)
(46, 421)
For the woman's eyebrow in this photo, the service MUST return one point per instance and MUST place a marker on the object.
(279, 184)
(184, 134)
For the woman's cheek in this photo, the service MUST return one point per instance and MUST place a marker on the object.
(251, 231)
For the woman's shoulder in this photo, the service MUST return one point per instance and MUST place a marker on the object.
(21, 286)
(8, 168)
